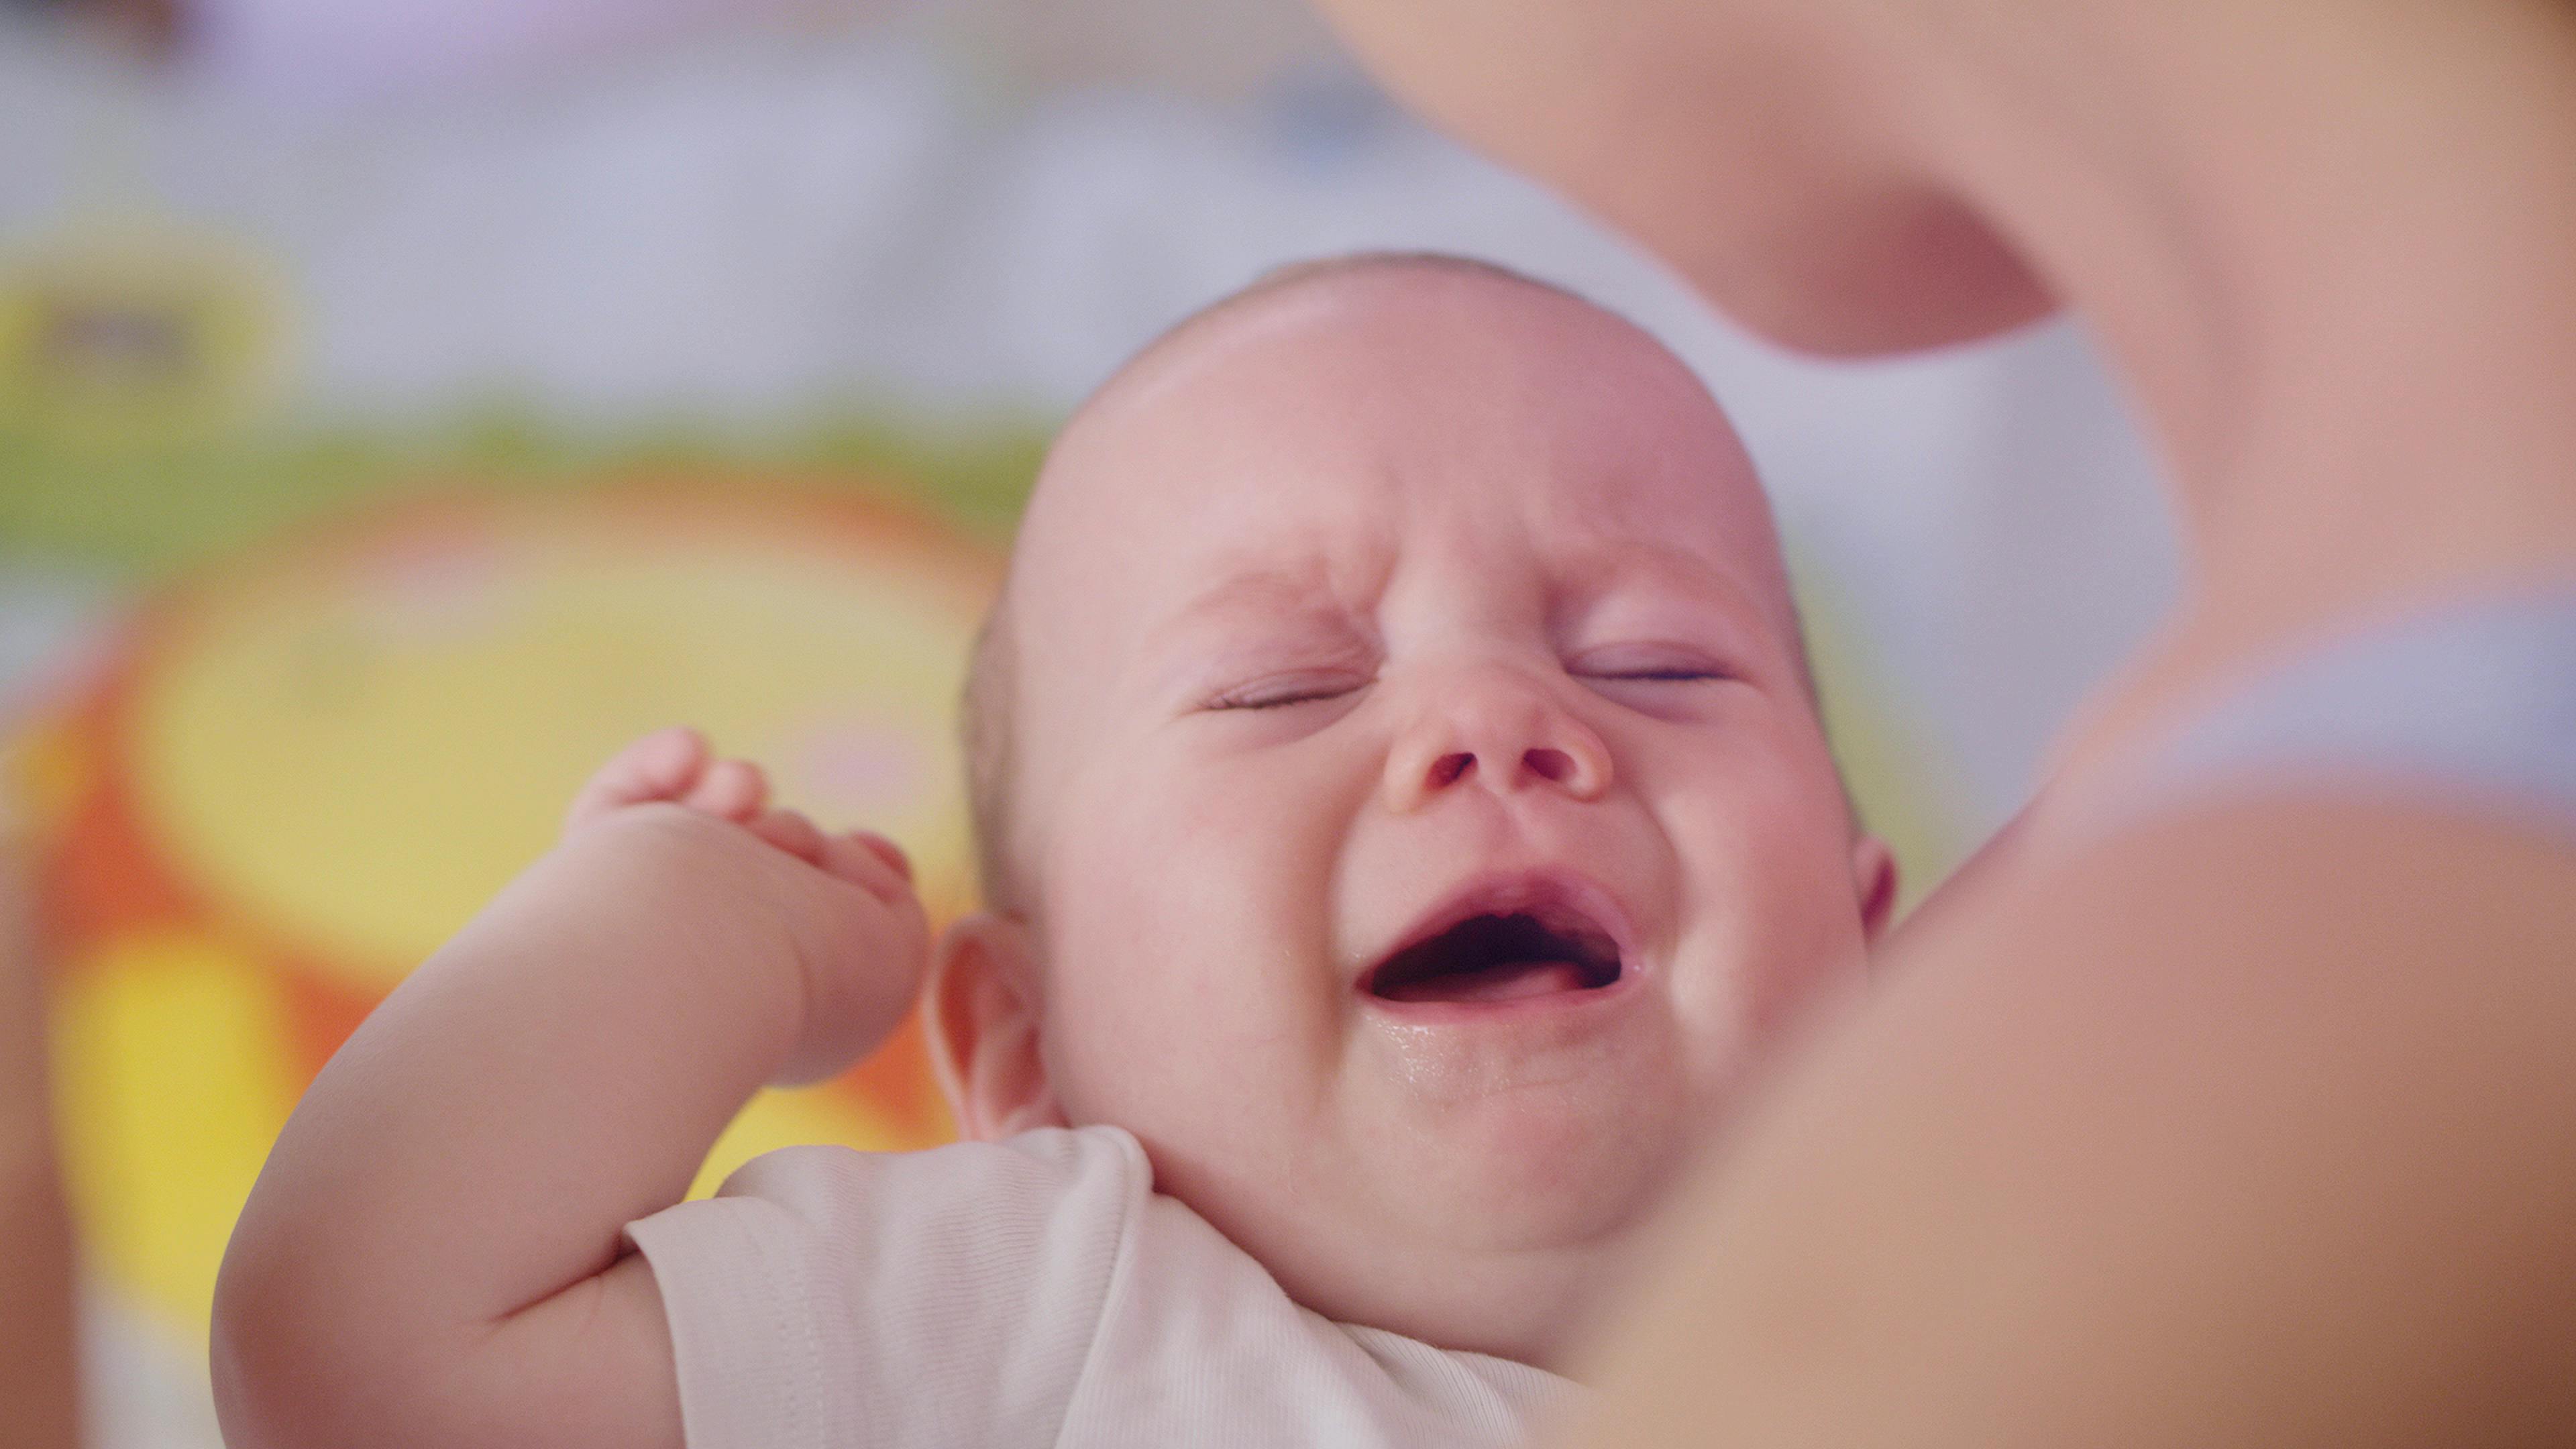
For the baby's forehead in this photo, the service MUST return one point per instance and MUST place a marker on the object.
(1298, 441)
(1364, 323)
(1413, 377)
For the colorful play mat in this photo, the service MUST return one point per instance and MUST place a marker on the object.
(290, 775)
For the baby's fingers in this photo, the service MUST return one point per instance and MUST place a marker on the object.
(732, 789)
(661, 766)
(673, 765)
(886, 850)
(790, 832)
(869, 861)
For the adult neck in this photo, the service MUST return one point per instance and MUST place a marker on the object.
(2327, 242)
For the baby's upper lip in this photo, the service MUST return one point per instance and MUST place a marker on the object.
(1542, 891)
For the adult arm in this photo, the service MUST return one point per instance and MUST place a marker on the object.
(39, 1378)
(2250, 1127)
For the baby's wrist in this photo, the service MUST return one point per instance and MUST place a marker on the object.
(758, 915)
(685, 895)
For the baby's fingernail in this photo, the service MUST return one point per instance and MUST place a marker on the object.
(887, 851)
(672, 748)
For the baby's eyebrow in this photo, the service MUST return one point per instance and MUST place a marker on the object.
(1282, 602)
(1269, 594)
(1266, 592)
(1594, 572)
(1255, 587)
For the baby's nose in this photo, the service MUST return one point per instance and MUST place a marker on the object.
(1506, 735)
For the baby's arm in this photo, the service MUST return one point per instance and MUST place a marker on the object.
(433, 1255)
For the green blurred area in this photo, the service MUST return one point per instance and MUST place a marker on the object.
(145, 507)
(148, 376)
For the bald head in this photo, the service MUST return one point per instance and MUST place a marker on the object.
(1112, 437)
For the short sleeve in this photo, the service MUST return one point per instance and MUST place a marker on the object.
(828, 1298)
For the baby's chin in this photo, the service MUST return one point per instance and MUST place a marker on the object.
(1502, 1240)
(1554, 1150)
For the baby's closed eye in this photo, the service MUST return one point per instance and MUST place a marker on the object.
(1666, 681)
(1648, 663)
(1281, 691)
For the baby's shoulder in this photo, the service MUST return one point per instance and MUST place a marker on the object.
(943, 1296)
(1050, 1171)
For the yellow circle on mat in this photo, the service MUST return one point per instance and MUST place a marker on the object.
(357, 746)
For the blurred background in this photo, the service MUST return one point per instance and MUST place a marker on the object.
(402, 404)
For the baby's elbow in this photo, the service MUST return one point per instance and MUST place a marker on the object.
(248, 1354)
(295, 1364)
(269, 1356)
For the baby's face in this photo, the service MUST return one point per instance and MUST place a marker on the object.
(1425, 817)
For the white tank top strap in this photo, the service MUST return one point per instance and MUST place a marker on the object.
(2470, 705)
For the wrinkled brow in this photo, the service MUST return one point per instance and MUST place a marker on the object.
(1271, 589)
(1252, 589)
(1588, 572)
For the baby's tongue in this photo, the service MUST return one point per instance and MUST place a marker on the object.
(1504, 981)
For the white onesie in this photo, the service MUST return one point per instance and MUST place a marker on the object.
(1030, 1292)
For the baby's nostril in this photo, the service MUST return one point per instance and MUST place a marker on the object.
(1446, 770)
(1554, 766)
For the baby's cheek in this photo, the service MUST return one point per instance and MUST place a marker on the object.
(1099, 1007)
(1812, 949)
(1119, 1009)
(1768, 891)
(1195, 994)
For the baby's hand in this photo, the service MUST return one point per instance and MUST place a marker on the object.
(861, 938)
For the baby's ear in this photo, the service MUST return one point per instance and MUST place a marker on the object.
(982, 1006)
(1874, 884)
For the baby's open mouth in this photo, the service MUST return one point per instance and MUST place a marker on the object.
(1501, 956)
